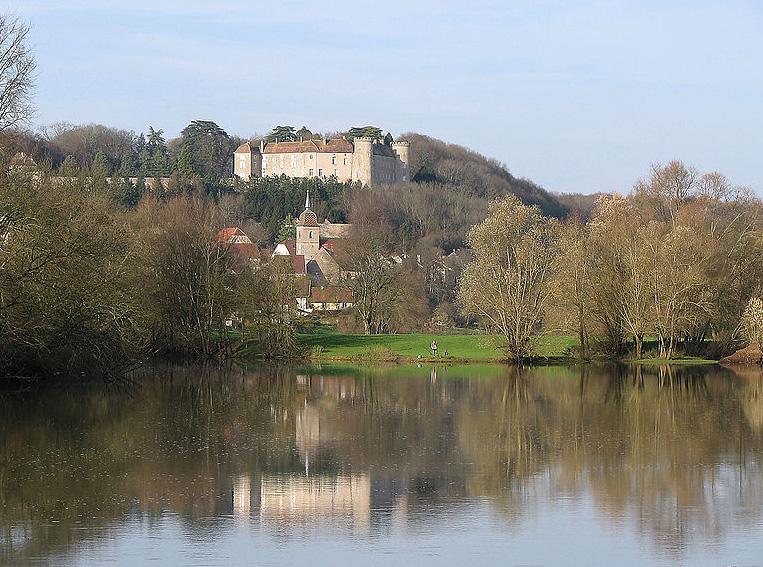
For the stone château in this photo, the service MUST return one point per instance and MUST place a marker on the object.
(363, 159)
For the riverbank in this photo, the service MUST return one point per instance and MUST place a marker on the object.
(327, 344)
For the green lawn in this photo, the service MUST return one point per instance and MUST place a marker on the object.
(327, 344)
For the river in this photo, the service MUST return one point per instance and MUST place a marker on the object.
(386, 465)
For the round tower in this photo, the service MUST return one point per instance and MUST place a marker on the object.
(401, 164)
(308, 232)
(362, 160)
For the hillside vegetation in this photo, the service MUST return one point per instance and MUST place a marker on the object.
(474, 175)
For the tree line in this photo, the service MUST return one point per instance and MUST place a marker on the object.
(678, 259)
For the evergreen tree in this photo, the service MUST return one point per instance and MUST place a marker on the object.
(69, 167)
(287, 231)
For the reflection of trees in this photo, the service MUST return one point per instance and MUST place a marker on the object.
(663, 447)
(674, 449)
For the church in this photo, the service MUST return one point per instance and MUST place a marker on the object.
(318, 249)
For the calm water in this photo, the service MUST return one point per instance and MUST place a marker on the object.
(387, 466)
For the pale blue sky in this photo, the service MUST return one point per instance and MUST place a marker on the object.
(579, 96)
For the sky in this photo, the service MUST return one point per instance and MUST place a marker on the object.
(577, 96)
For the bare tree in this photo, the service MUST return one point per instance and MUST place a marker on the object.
(508, 283)
(17, 73)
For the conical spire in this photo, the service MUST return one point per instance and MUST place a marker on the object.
(307, 218)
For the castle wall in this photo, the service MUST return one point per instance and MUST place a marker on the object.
(339, 164)
(369, 163)
(247, 162)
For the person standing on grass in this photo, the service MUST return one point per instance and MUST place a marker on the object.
(434, 348)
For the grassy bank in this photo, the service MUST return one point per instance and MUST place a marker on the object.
(327, 344)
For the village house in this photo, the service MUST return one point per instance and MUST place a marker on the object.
(363, 159)
(235, 239)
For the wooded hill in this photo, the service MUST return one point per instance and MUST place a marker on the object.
(450, 189)
(449, 192)
(451, 165)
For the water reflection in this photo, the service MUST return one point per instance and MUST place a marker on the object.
(668, 456)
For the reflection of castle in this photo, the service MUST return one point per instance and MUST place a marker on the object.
(362, 159)
(298, 498)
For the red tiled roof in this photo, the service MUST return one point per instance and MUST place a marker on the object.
(337, 146)
(334, 245)
(225, 234)
(290, 147)
(337, 248)
(330, 294)
(246, 250)
(298, 263)
(245, 147)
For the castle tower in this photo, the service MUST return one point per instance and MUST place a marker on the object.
(308, 232)
(247, 162)
(362, 160)
(402, 168)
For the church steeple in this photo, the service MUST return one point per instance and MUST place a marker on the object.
(308, 217)
(308, 232)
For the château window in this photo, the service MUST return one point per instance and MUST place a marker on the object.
(336, 172)
(333, 160)
(320, 173)
(311, 234)
(345, 161)
(311, 172)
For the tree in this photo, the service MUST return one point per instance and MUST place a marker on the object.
(364, 132)
(751, 324)
(508, 283)
(65, 302)
(155, 157)
(287, 231)
(303, 133)
(282, 134)
(86, 141)
(186, 277)
(210, 148)
(571, 304)
(267, 307)
(17, 68)
(619, 290)
(666, 189)
(69, 167)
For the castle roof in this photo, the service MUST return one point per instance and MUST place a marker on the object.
(310, 146)
(246, 147)
(383, 150)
